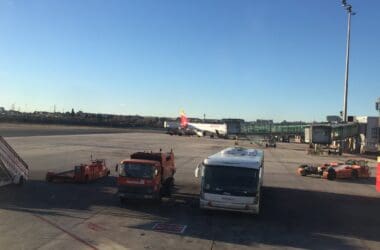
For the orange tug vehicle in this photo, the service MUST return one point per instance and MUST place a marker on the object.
(346, 171)
(82, 173)
(146, 176)
(352, 168)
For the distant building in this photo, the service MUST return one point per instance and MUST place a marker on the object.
(2, 110)
(333, 118)
(234, 126)
(261, 122)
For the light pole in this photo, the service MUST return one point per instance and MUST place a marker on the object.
(348, 8)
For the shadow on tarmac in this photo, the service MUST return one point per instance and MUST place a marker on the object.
(289, 217)
(364, 181)
(367, 181)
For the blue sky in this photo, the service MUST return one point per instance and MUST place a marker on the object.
(281, 60)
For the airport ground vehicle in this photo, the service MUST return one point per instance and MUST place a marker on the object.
(232, 180)
(270, 143)
(13, 169)
(334, 150)
(82, 173)
(306, 169)
(346, 171)
(146, 176)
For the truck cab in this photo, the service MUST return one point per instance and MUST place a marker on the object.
(145, 176)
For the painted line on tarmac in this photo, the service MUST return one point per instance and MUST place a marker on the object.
(65, 231)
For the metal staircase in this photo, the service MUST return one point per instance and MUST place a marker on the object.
(13, 169)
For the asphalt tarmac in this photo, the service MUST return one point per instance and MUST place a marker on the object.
(297, 212)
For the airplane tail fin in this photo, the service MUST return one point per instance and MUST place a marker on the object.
(184, 120)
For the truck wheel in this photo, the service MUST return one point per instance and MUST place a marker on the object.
(159, 199)
(165, 190)
(171, 182)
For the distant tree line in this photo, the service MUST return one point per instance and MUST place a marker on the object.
(85, 119)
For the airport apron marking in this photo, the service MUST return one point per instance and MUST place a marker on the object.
(65, 231)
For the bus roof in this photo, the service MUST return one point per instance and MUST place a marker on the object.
(237, 157)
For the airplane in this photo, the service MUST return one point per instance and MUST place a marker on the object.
(202, 129)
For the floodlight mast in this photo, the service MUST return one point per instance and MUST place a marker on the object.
(348, 8)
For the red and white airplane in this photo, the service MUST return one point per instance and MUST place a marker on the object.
(203, 129)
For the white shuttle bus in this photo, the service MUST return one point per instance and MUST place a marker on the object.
(232, 180)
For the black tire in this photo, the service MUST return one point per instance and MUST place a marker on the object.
(355, 174)
(303, 173)
(165, 190)
(158, 200)
(331, 174)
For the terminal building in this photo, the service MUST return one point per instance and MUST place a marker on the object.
(361, 134)
(283, 129)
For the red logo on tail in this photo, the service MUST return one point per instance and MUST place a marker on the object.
(184, 120)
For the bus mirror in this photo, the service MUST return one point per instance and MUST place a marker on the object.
(196, 172)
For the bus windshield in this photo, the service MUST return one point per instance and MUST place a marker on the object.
(230, 180)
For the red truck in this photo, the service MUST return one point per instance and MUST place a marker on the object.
(146, 176)
(82, 173)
